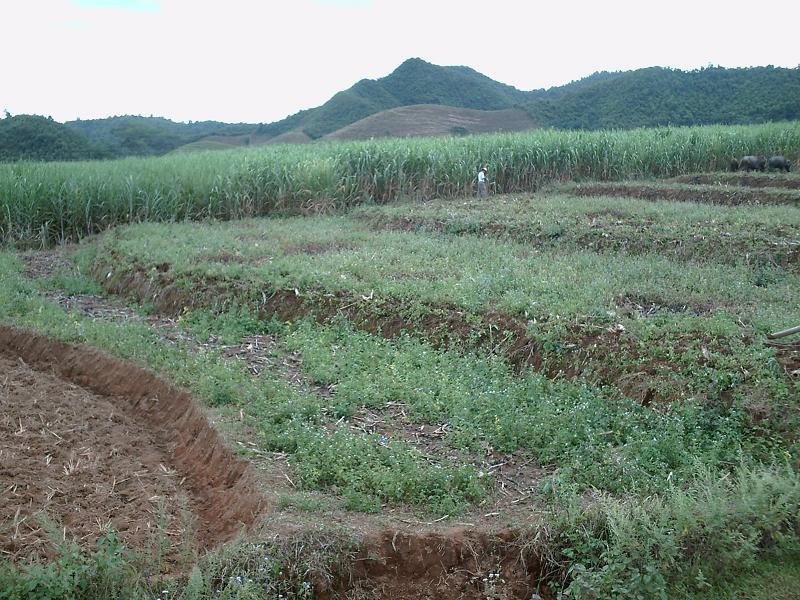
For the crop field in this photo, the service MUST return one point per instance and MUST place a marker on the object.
(568, 392)
(42, 203)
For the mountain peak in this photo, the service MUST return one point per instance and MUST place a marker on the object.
(414, 61)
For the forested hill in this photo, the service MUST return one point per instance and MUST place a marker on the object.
(145, 136)
(658, 96)
(32, 137)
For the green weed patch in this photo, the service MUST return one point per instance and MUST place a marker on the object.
(650, 326)
(761, 236)
(590, 438)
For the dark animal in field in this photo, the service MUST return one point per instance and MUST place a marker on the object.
(778, 162)
(752, 163)
(734, 166)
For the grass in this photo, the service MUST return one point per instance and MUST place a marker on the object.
(587, 437)
(336, 255)
(775, 578)
(682, 543)
(242, 570)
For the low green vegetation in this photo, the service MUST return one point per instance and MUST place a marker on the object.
(776, 577)
(690, 326)
(713, 451)
(685, 543)
(56, 202)
(591, 440)
(242, 570)
(692, 192)
(752, 235)
(285, 418)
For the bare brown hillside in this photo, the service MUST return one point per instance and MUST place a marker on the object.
(290, 137)
(226, 142)
(433, 119)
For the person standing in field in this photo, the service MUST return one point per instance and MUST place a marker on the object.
(482, 191)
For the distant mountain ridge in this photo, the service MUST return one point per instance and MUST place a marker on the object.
(658, 96)
(413, 82)
(643, 98)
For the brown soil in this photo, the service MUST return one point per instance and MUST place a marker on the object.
(788, 355)
(644, 307)
(754, 181)
(97, 441)
(77, 458)
(457, 564)
(729, 196)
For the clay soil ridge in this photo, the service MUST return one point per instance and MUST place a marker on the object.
(221, 485)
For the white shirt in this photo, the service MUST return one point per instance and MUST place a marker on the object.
(481, 176)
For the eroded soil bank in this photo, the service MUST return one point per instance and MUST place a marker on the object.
(96, 441)
(442, 325)
(451, 565)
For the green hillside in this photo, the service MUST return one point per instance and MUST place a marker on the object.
(32, 137)
(145, 136)
(659, 96)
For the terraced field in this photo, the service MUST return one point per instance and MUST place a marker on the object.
(567, 393)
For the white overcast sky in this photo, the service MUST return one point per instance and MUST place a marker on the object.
(259, 61)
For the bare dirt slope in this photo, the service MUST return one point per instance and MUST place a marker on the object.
(75, 458)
